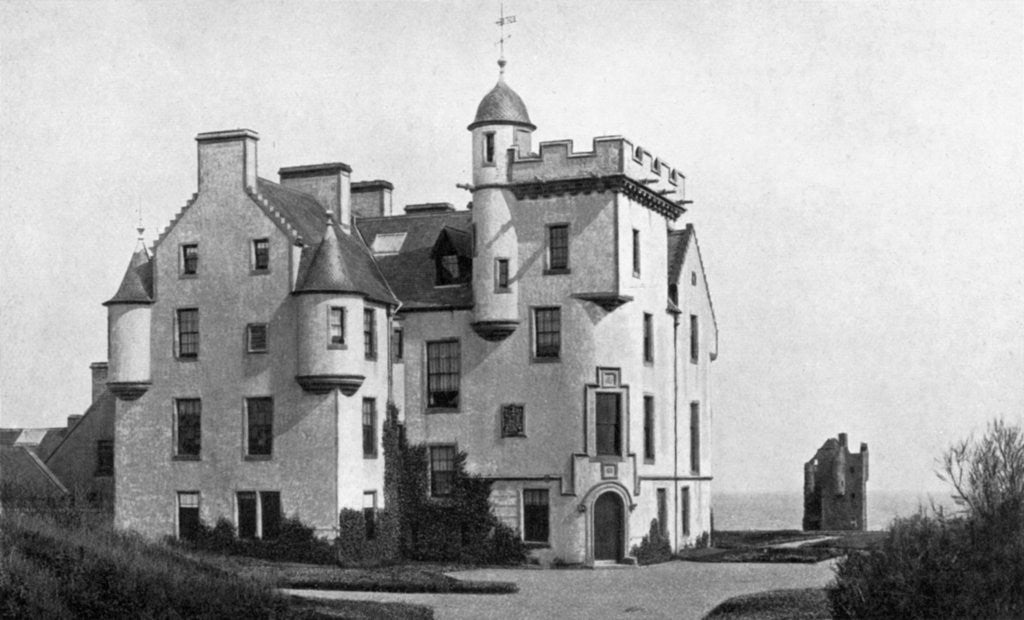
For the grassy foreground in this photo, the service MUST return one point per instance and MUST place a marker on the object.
(50, 571)
(806, 603)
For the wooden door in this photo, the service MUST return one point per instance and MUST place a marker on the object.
(608, 527)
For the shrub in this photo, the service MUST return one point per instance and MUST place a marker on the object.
(967, 566)
(354, 547)
(654, 548)
(295, 542)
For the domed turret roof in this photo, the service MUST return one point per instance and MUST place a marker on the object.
(502, 106)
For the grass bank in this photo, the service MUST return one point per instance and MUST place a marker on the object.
(782, 546)
(52, 571)
(801, 604)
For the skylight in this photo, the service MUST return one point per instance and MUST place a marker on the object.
(388, 243)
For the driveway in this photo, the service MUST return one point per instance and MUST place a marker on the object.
(670, 590)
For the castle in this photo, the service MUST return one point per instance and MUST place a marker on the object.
(559, 331)
(835, 487)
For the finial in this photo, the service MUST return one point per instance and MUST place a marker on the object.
(140, 228)
(502, 20)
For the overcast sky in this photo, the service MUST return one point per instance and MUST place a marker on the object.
(856, 172)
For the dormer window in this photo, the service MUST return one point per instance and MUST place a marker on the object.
(489, 147)
(452, 262)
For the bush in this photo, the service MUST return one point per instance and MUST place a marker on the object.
(295, 542)
(654, 548)
(967, 566)
(355, 547)
(55, 572)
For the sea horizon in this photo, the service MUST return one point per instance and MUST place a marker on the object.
(783, 510)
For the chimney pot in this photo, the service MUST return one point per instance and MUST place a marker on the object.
(72, 420)
(100, 370)
(372, 198)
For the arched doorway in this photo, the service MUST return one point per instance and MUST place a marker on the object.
(609, 521)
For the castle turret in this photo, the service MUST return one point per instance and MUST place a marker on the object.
(129, 314)
(330, 313)
(501, 128)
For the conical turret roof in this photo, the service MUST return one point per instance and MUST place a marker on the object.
(137, 284)
(341, 264)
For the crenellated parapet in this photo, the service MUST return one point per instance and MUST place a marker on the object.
(613, 163)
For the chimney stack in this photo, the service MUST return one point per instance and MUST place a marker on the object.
(72, 420)
(842, 440)
(329, 183)
(99, 378)
(372, 198)
(227, 159)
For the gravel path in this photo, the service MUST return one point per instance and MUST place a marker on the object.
(672, 590)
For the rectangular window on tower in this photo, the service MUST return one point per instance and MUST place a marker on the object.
(261, 254)
(189, 427)
(558, 248)
(501, 275)
(188, 515)
(648, 339)
(684, 509)
(536, 519)
(694, 339)
(636, 253)
(695, 438)
(256, 338)
(260, 426)
(649, 429)
(336, 327)
(187, 333)
(547, 330)
(370, 333)
(489, 148)
(189, 259)
(609, 424)
(663, 511)
(369, 428)
(443, 374)
(442, 470)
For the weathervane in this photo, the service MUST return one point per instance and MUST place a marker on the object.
(502, 20)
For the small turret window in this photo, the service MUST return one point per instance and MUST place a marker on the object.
(336, 326)
(501, 274)
(489, 148)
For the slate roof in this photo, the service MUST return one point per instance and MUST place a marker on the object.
(25, 477)
(502, 106)
(411, 272)
(303, 212)
(341, 263)
(137, 284)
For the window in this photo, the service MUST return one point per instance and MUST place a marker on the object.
(370, 333)
(369, 428)
(547, 330)
(448, 271)
(501, 274)
(442, 470)
(188, 515)
(694, 339)
(558, 247)
(370, 514)
(695, 437)
(684, 510)
(260, 419)
(397, 344)
(489, 148)
(649, 428)
(609, 424)
(261, 254)
(256, 337)
(636, 252)
(189, 259)
(512, 422)
(336, 325)
(188, 333)
(663, 512)
(105, 457)
(648, 339)
(259, 514)
(673, 293)
(443, 374)
(535, 515)
(189, 428)
(693, 278)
